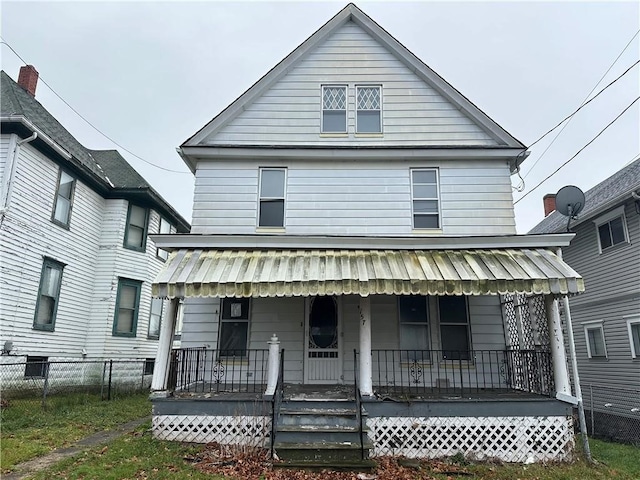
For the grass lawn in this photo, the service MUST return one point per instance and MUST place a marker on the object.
(28, 431)
(139, 456)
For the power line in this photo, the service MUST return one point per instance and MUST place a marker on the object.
(578, 152)
(584, 102)
(88, 122)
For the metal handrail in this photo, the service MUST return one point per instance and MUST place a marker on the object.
(276, 402)
(358, 401)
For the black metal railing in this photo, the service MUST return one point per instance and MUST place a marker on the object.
(461, 372)
(276, 402)
(358, 397)
(197, 370)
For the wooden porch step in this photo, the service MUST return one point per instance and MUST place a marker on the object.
(315, 428)
(360, 465)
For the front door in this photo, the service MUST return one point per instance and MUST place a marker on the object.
(323, 362)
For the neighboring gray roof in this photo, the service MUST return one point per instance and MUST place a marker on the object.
(106, 167)
(606, 194)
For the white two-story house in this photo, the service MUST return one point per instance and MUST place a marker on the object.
(353, 238)
(76, 263)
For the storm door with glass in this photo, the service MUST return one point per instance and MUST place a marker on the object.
(323, 362)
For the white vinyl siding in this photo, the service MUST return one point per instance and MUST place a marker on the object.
(355, 198)
(414, 112)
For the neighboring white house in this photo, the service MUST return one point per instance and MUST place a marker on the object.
(606, 319)
(76, 263)
(354, 210)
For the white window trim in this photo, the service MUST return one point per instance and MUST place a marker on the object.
(607, 217)
(283, 198)
(632, 320)
(379, 87)
(346, 108)
(599, 324)
(439, 199)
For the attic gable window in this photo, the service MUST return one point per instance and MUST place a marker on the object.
(64, 199)
(272, 197)
(425, 199)
(334, 109)
(368, 109)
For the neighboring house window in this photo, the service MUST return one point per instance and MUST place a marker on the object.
(594, 335)
(135, 236)
(234, 327)
(48, 295)
(272, 196)
(368, 109)
(64, 199)
(454, 327)
(155, 318)
(334, 109)
(424, 191)
(612, 230)
(165, 228)
(36, 367)
(414, 327)
(149, 364)
(127, 307)
(633, 325)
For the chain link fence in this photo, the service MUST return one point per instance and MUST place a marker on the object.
(612, 413)
(48, 384)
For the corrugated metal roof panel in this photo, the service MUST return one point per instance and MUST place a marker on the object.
(285, 273)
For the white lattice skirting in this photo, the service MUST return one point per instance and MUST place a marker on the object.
(226, 430)
(510, 439)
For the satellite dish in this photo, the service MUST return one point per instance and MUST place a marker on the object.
(569, 202)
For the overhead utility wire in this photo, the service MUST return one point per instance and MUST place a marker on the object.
(584, 102)
(568, 117)
(578, 152)
(88, 122)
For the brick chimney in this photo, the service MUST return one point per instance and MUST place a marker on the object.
(549, 201)
(28, 79)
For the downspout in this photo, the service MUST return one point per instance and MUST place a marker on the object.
(14, 151)
(574, 371)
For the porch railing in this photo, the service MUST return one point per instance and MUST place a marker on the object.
(197, 370)
(459, 372)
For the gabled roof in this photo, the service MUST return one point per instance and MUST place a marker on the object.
(605, 195)
(106, 170)
(353, 13)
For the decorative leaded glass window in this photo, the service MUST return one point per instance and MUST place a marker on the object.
(334, 109)
(368, 109)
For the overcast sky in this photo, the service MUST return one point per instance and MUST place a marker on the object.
(151, 74)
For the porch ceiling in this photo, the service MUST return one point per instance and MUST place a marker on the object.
(279, 273)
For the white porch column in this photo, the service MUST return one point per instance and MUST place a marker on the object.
(161, 368)
(556, 340)
(273, 365)
(366, 388)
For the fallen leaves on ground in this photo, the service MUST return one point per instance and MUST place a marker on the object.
(256, 464)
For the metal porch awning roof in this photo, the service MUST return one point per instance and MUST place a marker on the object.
(285, 273)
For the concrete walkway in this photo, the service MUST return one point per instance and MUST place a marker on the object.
(35, 465)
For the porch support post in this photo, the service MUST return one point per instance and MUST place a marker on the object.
(161, 368)
(556, 340)
(366, 388)
(273, 365)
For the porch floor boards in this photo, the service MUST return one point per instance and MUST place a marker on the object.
(299, 392)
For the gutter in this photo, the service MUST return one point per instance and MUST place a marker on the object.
(40, 134)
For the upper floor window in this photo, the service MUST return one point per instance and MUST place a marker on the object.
(164, 228)
(425, 202)
(135, 236)
(64, 199)
(633, 325)
(454, 327)
(594, 336)
(127, 307)
(48, 295)
(414, 327)
(155, 318)
(272, 197)
(368, 109)
(234, 327)
(334, 109)
(611, 229)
